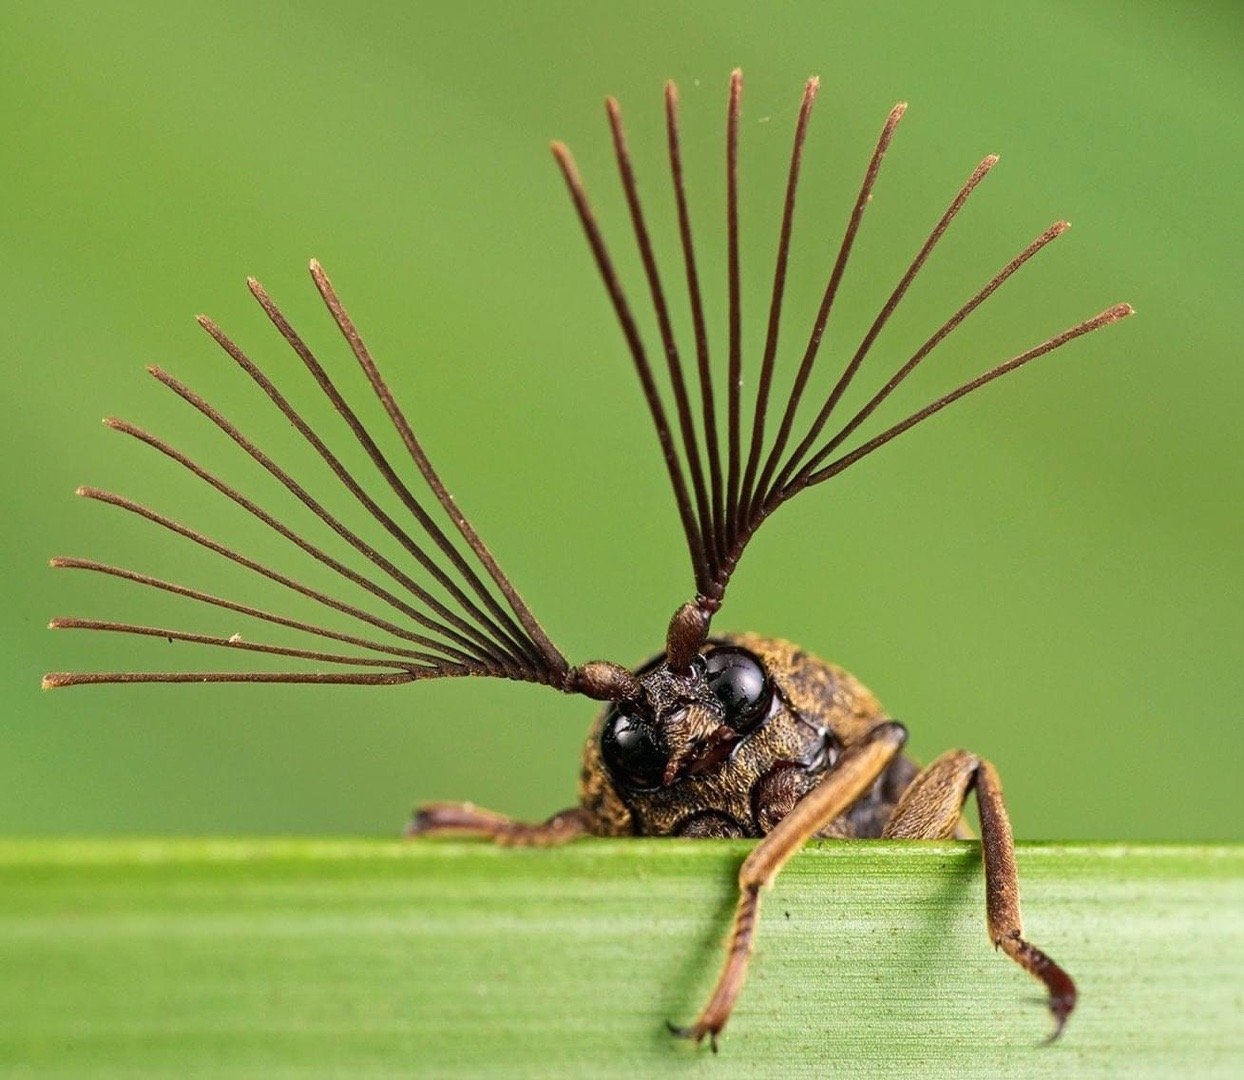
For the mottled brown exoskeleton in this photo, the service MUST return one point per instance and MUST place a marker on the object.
(720, 736)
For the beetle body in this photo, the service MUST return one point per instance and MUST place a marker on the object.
(815, 712)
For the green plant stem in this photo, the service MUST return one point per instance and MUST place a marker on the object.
(375, 958)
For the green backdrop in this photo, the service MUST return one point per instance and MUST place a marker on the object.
(1049, 574)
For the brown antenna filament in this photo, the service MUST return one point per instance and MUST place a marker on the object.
(726, 511)
(456, 636)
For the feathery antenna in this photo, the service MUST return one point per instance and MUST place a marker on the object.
(470, 630)
(720, 513)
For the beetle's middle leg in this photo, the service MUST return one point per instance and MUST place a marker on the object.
(855, 772)
(930, 809)
(465, 819)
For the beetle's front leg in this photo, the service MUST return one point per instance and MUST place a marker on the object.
(466, 819)
(855, 772)
(930, 810)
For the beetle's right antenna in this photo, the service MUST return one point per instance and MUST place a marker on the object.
(450, 623)
(724, 504)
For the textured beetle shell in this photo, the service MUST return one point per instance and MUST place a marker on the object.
(820, 710)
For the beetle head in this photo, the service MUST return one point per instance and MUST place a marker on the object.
(686, 723)
(743, 730)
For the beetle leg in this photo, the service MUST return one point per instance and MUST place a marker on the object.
(465, 819)
(930, 810)
(854, 774)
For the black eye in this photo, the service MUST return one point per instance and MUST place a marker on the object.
(631, 752)
(739, 682)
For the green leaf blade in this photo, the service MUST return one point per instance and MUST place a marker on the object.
(374, 958)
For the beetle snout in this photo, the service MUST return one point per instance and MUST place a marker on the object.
(698, 742)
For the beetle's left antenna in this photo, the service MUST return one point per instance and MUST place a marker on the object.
(726, 502)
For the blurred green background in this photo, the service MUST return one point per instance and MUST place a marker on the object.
(1050, 573)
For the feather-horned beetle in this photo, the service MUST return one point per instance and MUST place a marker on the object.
(721, 736)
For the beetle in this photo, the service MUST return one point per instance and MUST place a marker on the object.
(721, 735)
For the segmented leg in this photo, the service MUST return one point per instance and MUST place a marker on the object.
(465, 819)
(930, 809)
(854, 774)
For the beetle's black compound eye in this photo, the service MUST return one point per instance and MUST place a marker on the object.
(739, 682)
(630, 750)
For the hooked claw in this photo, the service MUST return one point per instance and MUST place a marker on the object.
(1061, 1006)
(695, 1032)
